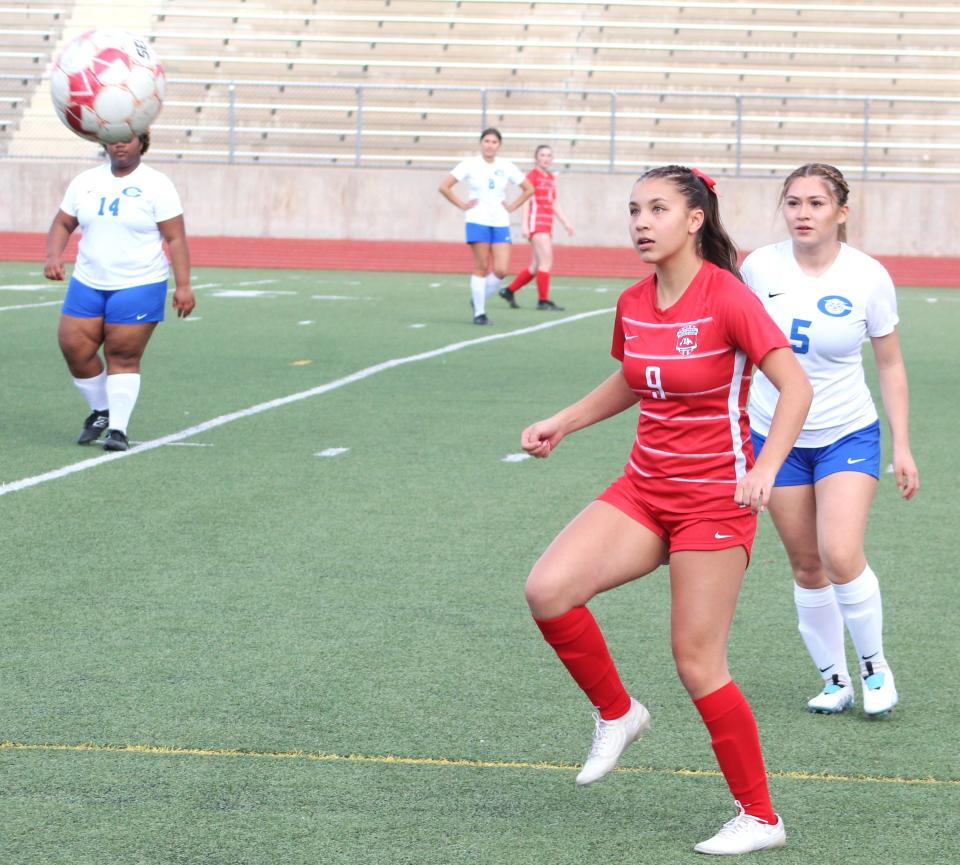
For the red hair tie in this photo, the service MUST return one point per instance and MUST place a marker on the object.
(708, 181)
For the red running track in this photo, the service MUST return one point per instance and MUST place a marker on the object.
(429, 257)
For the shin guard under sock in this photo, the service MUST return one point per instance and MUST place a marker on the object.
(578, 641)
(736, 743)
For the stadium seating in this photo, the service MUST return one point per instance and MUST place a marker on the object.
(737, 87)
(27, 39)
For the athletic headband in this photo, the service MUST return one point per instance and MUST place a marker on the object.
(708, 181)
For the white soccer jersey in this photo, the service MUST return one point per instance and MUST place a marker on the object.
(121, 246)
(827, 319)
(487, 183)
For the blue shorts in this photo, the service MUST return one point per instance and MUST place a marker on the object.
(141, 304)
(858, 451)
(477, 233)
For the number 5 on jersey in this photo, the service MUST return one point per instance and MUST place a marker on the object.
(114, 207)
(800, 341)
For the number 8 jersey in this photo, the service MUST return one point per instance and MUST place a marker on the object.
(121, 246)
(691, 365)
(827, 319)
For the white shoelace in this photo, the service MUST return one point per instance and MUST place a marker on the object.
(743, 822)
(600, 730)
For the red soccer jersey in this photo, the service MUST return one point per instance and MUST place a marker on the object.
(691, 365)
(540, 210)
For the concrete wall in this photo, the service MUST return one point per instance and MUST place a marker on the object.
(891, 218)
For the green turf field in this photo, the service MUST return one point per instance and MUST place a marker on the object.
(228, 647)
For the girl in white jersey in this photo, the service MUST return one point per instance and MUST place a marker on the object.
(117, 293)
(828, 298)
(487, 215)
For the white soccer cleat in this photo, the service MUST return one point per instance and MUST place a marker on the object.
(879, 693)
(834, 698)
(610, 740)
(744, 834)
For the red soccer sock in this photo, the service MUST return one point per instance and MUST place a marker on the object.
(543, 284)
(578, 641)
(733, 734)
(522, 279)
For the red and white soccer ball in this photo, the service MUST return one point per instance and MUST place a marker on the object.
(107, 85)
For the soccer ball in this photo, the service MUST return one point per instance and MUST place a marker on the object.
(107, 85)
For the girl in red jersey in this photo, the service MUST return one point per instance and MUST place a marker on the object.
(686, 338)
(538, 213)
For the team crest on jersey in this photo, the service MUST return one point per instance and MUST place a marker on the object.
(835, 305)
(687, 339)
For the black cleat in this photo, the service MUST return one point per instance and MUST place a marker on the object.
(481, 319)
(507, 295)
(549, 305)
(116, 441)
(93, 427)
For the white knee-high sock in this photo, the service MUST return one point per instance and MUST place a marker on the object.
(821, 626)
(478, 293)
(862, 610)
(94, 390)
(492, 283)
(122, 391)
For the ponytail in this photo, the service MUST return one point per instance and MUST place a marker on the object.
(713, 242)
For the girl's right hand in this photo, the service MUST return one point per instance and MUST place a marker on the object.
(541, 438)
(469, 205)
(53, 269)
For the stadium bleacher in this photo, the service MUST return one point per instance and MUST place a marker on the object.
(739, 87)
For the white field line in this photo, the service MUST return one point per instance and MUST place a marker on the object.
(213, 423)
(31, 305)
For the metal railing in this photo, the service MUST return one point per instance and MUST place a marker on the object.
(612, 131)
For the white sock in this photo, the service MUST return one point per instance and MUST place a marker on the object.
(94, 390)
(492, 283)
(821, 626)
(478, 293)
(862, 611)
(122, 391)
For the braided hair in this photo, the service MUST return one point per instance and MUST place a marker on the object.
(832, 177)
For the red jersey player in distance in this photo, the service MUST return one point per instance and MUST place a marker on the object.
(687, 338)
(538, 213)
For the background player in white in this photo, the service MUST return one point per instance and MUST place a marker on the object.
(487, 215)
(829, 298)
(125, 211)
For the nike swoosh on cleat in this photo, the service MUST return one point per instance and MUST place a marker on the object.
(851, 460)
(720, 537)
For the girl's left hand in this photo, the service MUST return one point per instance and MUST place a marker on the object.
(183, 301)
(753, 490)
(906, 475)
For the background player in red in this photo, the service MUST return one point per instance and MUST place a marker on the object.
(538, 213)
(686, 338)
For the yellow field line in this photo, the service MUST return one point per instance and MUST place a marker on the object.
(389, 759)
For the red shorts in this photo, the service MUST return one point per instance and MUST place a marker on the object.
(718, 529)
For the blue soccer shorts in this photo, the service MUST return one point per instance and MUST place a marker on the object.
(858, 451)
(141, 304)
(477, 233)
